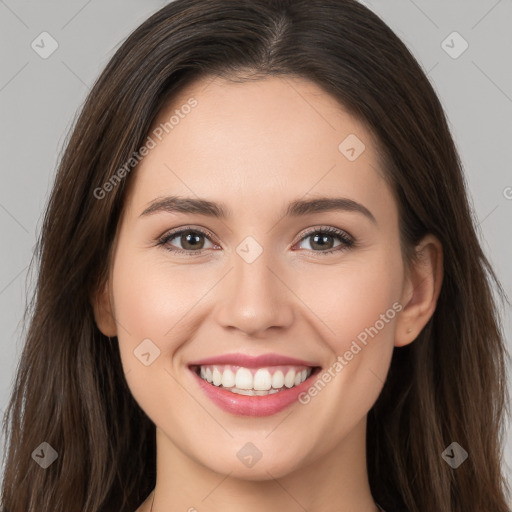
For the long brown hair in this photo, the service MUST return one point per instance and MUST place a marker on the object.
(448, 385)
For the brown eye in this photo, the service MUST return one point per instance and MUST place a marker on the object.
(191, 240)
(323, 240)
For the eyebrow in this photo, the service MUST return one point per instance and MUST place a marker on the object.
(296, 208)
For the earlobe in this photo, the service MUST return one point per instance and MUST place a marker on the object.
(103, 314)
(421, 290)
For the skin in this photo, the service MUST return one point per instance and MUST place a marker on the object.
(256, 146)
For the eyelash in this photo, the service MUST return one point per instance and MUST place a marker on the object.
(347, 241)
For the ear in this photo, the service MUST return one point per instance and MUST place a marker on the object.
(421, 290)
(103, 311)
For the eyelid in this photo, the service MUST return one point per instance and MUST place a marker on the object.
(178, 231)
(331, 230)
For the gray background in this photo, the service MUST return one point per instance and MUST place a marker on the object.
(39, 98)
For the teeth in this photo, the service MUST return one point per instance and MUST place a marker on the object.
(252, 382)
(278, 379)
(262, 380)
(243, 379)
(252, 392)
(289, 380)
(228, 378)
(217, 377)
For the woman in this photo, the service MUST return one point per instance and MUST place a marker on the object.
(260, 285)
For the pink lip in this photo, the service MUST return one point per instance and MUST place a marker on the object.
(253, 362)
(243, 405)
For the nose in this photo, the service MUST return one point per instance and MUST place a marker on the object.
(255, 297)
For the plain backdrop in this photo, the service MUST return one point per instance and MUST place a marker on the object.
(39, 98)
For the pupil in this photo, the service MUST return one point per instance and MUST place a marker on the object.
(189, 239)
(323, 237)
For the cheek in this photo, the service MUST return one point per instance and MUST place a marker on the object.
(152, 305)
(153, 299)
(359, 306)
(149, 305)
(356, 301)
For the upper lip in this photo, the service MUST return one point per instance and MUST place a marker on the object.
(246, 361)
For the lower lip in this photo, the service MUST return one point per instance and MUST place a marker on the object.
(243, 405)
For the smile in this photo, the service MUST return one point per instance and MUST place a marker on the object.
(253, 386)
(254, 382)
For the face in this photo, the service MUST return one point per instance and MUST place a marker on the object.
(315, 286)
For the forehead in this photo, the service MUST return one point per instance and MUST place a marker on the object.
(254, 143)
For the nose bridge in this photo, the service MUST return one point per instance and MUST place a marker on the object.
(255, 298)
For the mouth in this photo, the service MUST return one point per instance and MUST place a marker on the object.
(253, 389)
(254, 381)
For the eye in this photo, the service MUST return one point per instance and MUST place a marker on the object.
(323, 238)
(192, 241)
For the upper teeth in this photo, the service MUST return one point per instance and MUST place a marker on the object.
(261, 379)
